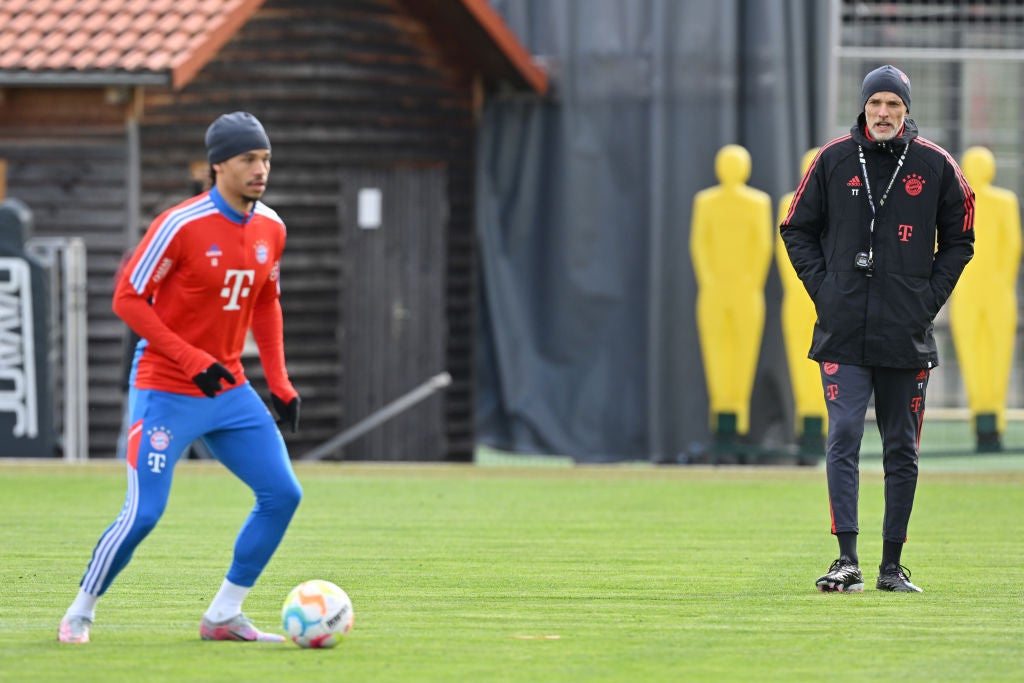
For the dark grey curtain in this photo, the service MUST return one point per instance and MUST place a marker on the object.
(588, 335)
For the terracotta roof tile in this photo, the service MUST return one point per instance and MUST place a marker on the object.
(176, 43)
(10, 57)
(86, 57)
(169, 41)
(172, 39)
(22, 22)
(144, 22)
(132, 60)
(125, 42)
(192, 24)
(51, 43)
(155, 58)
(34, 60)
(93, 26)
(107, 60)
(101, 42)
(47, 22)
(150, 44)
(76, 41)
(88, 7)
(116, 24)
(28, 40)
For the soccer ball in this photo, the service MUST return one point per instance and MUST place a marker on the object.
(317, 614)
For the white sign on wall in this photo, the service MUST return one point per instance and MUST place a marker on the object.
(370, 207)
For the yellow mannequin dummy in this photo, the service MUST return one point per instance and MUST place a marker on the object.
(798, 318)
(983, 307)
(731, 248)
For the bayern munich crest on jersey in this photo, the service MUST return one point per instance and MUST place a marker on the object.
(262, 252)
(913, 184)
(159, 438)
(830, 368)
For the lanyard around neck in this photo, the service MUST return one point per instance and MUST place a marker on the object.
(867, 182)
(881, 200)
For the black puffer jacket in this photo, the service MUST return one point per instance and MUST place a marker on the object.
(923, 238)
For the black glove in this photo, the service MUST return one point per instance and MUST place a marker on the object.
(288, 412)
(209, 379)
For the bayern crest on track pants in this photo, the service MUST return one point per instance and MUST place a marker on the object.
(240, 432)
(899, 411)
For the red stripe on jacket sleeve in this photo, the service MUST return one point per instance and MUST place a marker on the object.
(965, 186)
(803, 181)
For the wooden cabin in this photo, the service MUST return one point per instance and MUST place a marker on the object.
(371, 107)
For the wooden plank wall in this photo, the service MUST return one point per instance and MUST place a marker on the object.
(73, 180)
(338, 85)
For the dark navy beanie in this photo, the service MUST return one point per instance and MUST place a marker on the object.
(233, 134)
(886, 79)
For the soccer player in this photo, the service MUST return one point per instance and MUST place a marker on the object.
(206, 272)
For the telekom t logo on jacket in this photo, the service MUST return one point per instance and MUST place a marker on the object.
(237, 284)
(905, 232)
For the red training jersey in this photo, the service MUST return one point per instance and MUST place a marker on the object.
(203, 275)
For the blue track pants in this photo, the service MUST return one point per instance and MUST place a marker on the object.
(240, 432)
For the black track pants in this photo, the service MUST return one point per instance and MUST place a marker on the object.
(899, 409)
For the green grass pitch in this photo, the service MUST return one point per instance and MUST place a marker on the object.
(533, 574)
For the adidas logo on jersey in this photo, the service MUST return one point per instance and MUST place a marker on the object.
(854, 182)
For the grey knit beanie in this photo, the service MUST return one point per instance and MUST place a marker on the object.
(233, 134)
(886, 79)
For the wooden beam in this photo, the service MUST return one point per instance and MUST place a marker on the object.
(506, 41)
(191, 62)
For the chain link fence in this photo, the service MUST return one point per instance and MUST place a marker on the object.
(965, 60)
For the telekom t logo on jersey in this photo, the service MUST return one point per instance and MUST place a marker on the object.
(237, 284)
(156, 462)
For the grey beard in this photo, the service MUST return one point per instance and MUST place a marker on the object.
(886, 138)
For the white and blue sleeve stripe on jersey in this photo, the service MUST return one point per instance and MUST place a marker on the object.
(264, 210)
(165, 232)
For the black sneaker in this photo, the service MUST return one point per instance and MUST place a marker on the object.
(843, 577)
(895, 578)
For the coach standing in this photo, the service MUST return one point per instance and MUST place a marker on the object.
(879, 231)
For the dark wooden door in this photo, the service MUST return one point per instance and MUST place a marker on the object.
(393, 321)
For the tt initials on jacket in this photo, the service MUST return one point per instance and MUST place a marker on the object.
(237, 284)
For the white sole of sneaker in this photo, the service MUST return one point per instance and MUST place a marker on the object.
(855, 588)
